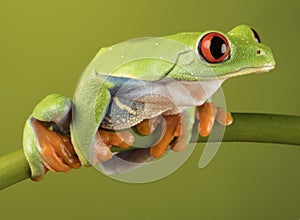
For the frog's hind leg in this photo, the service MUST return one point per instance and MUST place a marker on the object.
(126, 160)
(129, 160)
(45, 139)
(56, 150)
(176, 133)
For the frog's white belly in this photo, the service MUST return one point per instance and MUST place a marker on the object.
(180, 93)
(134, 102)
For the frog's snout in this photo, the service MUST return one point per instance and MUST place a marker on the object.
(265, 54)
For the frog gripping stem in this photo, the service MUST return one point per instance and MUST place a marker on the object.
(207, 114)
(45, 138)
(57, 152)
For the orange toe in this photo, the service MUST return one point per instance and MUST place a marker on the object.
(122, 139)
(170, 124)
(147, 126)
(55, 153)
(224, 118)
(206, 114)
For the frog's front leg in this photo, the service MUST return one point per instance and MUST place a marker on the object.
(207, 114)
(178, 128)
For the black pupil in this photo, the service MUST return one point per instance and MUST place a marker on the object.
(217, 47)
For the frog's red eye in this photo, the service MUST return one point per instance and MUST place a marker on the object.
(256, 36)
(214, 47)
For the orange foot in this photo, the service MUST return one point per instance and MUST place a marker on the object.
(147, 126)
(207, 114)
(106, 139)
(57, 152)
(124, 139)
(171, 127)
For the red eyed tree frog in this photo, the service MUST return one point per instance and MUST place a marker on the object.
(141, 83)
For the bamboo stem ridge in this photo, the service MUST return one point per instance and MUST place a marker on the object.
(247, 127)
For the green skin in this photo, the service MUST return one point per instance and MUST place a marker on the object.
(174, 63)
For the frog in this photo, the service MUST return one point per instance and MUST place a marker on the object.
(142, 84)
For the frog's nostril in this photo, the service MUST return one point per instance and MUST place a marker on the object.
(258, 52)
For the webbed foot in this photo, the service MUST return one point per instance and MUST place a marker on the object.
(56, 150)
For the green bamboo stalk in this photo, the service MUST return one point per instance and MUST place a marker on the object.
(264, 128)
(14, 168)
(247, 127)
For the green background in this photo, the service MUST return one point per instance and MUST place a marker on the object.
(44, 47)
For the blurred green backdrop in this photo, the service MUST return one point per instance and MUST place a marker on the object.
(46, 45)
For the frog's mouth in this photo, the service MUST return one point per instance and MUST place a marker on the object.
(248, 70)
